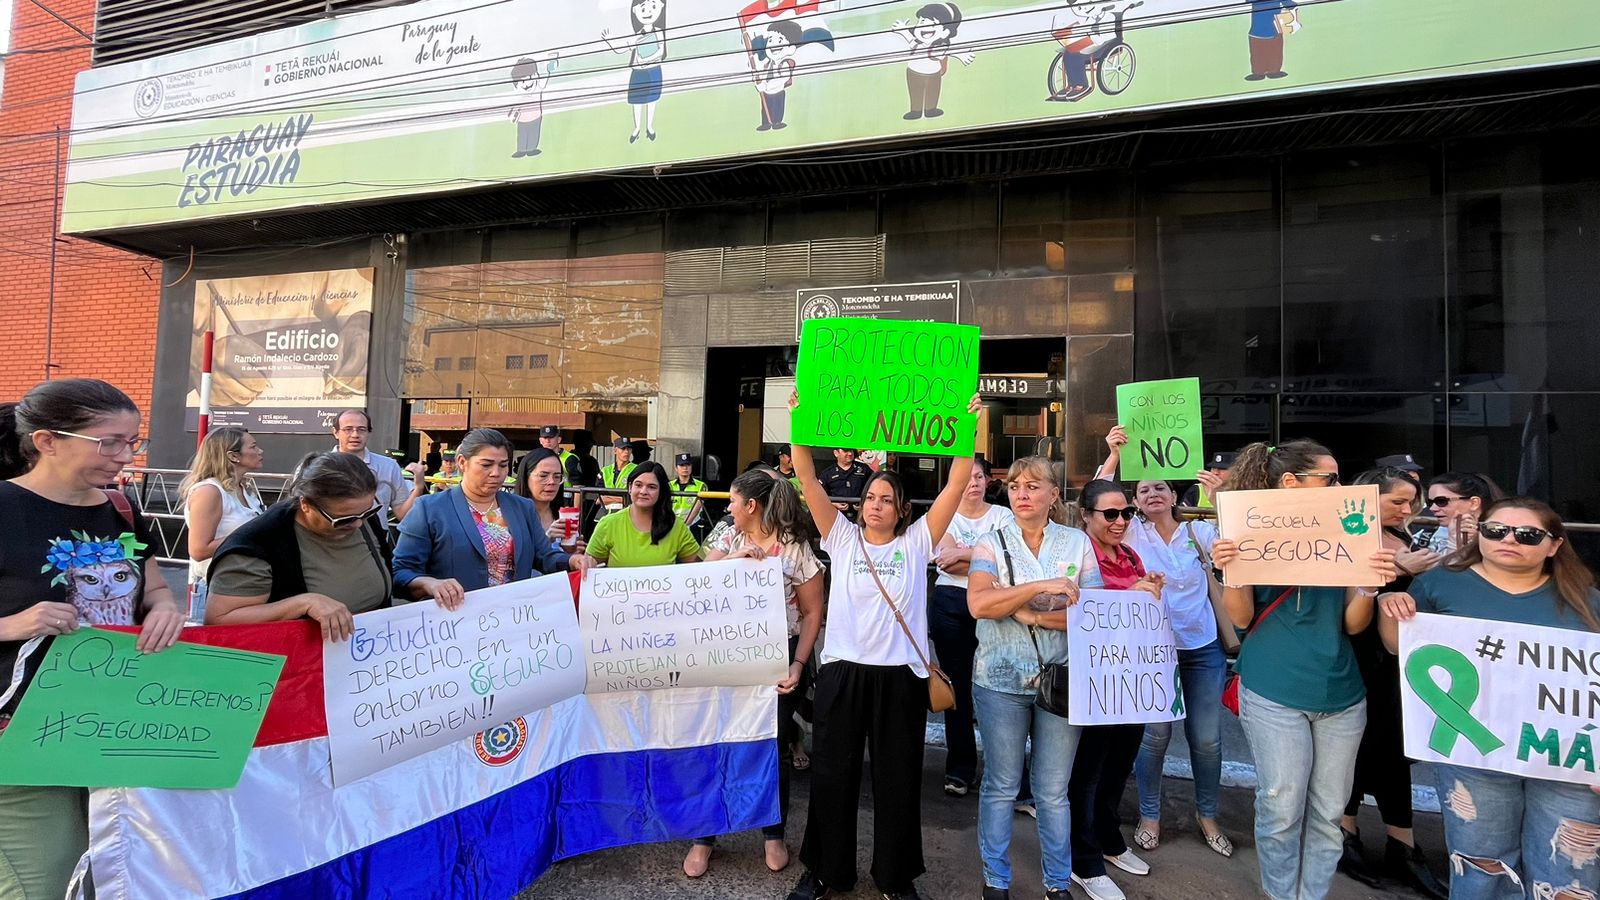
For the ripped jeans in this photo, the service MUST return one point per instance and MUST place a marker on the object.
(1544, 833)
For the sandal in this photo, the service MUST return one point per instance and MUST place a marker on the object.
(801, 761)
(1218, 842)
(1146, 838)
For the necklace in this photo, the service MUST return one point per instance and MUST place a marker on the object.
(484, 510)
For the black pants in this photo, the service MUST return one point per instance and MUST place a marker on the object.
(1099, 774)
(955, 639)
(788, 704)
(1382, 768)
(884, 711)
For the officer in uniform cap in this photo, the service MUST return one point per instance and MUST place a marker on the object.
(1406, 463)
(687, 508)
(550, 439)
(1217, 464)
(615, 476)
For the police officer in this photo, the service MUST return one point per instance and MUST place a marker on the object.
(847, 477)
(615, 476)
(550, 439)
(1406, 463)
(1217, 467)
(689, 509)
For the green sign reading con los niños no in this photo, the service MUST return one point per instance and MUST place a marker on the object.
(1162, 419)
(101, 714)
(873, 384)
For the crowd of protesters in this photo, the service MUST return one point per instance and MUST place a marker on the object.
(980, 581)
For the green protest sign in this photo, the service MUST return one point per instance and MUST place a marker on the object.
(872, 384)
(1162, 419)
(101, 714)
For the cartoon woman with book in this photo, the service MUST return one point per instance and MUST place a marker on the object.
(647, 50)
(929, 38)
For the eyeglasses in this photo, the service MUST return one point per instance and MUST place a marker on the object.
(343, 521)
(354, 429)
(1332, 477)
(1443, 500)
(111, 446)
(1526, 535)
(1111, 515)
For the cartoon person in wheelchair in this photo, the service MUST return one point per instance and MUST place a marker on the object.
(1088, 43)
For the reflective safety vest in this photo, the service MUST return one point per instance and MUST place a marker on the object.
(682, 505)
(617, 480)
(566, 474)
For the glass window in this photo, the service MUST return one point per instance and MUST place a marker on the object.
(514, 362)
(1363, 271)
(1208, 276)
(466, 364)
(1535, 444)
(1525, 256)
(1074, 225)
(539, 361)
(442, 364)
(719, 226)
(819, 218)
(941, 231)
(1359, 428)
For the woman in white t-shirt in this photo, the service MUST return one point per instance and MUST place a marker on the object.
(218, 493)
(953, 630)
(872, 687)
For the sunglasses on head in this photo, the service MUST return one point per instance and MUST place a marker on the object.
(343, 521)
(1526, 535)
(1111, 515)
(1442, 500)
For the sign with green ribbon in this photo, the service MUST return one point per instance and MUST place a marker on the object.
(101, 714)
(1513, 698)
(1123, 660)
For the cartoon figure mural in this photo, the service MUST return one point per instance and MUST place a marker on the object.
(529, 77)
(773, 33)
(646, 50)
(103, 576)
(929, 38)
(1091, 52)
(1270, 20)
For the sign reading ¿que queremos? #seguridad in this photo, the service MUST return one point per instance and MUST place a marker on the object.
(872, 384)
(1303, 536)
(101, 714)
(1162, 419)
(707, 624)
(417, 677)
(1495, 695)
(1123, 662)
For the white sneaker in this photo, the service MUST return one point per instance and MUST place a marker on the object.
(1100, 887)
(1129, 863)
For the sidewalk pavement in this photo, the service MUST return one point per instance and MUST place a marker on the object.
(1183, 867)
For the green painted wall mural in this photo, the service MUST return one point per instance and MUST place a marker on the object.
(450, 95)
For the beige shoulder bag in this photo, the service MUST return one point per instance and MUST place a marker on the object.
(941, 695)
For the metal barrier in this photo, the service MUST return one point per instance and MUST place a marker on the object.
(154, 493)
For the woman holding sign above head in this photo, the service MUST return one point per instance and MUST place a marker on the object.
(1106, 753)
(474, 535)
(1022, 577)
(872, 689)
(769, 521)
(1382, 768)
(646, 532)
(72, 555)
(1511, 835)
(1301, 700)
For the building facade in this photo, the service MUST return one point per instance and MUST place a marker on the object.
(1369, 224)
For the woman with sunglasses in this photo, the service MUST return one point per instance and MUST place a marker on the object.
(68, 557)
(1506, 831)
(1106, 753)
(1457, 500)
(316, 554)
(1301, 699)
(1382, 768)
(474, 535)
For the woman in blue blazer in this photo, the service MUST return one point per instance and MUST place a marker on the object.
(474, 535)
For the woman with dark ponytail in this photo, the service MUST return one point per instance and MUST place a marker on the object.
(769, 521)
(75, 554)
(1301, 699)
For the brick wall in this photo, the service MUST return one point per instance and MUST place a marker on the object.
(105, 300)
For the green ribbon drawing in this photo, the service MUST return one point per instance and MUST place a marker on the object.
(1453, 705)
(1177, 693)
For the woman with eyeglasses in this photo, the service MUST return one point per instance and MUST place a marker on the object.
(1382, 768)
(541, 477)
(1106, 753)
(316, 554)
(1506, 831)
(70, 555)
(1457, 500)
(1301, 699)
(474, 535)
(218, 496)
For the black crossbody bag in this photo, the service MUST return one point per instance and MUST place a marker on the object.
(1052, 692)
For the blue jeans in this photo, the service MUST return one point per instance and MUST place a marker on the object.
(1201, 671)
(1541, 832)
(1006, 721)
(1305, 764)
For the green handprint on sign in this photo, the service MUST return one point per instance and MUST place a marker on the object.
(1353, 518)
